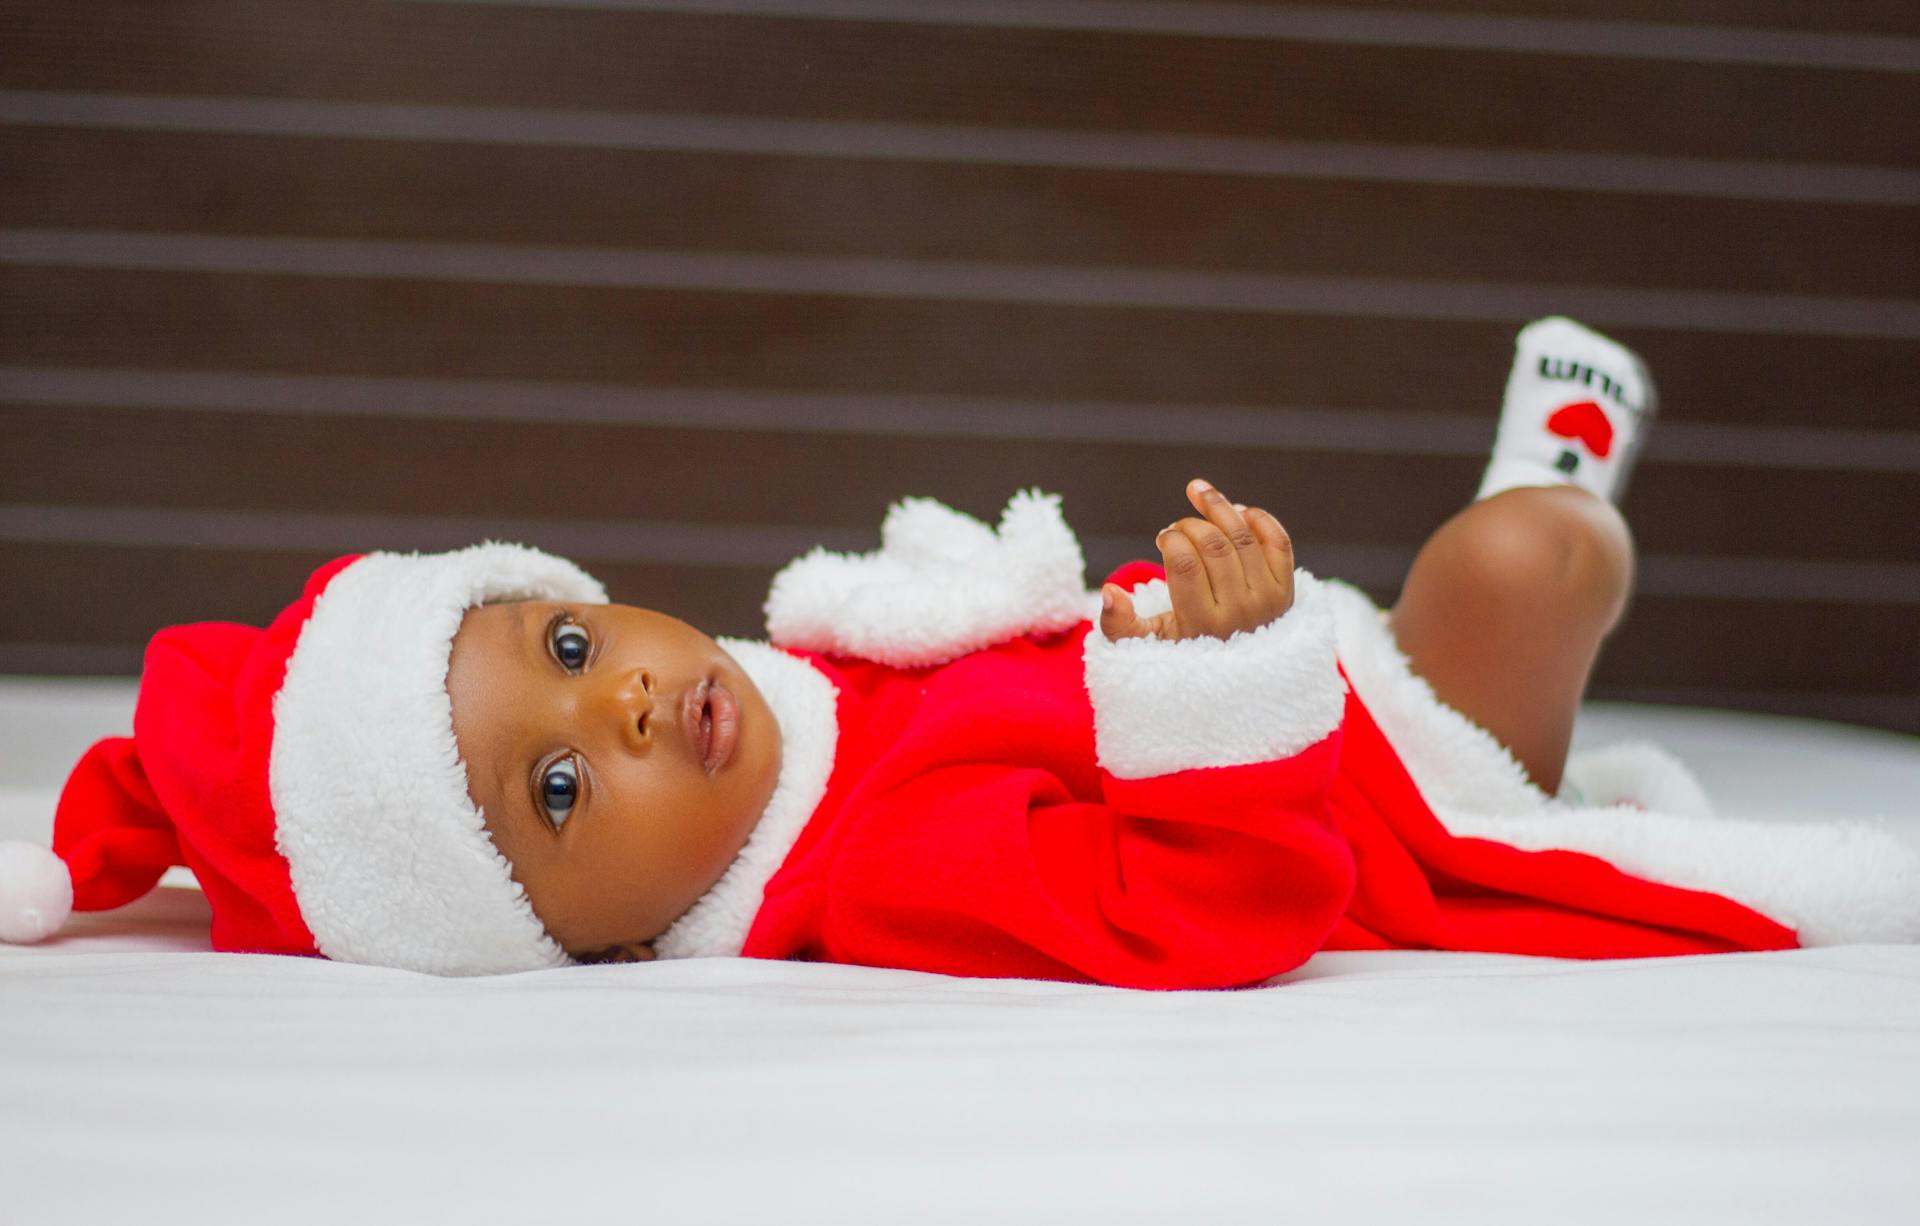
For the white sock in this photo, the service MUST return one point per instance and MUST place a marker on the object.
(1577, 410)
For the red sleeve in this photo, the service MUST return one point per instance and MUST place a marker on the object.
(1205, 878)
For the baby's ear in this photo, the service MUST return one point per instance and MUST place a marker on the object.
(630, 951)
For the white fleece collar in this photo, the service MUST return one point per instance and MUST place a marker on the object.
(806, 706)
(941, 584)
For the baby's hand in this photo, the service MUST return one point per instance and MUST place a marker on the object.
(1231, 571)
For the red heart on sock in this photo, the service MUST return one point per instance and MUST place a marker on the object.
(1585, 421)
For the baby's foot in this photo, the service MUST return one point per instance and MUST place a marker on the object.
(1577, 411)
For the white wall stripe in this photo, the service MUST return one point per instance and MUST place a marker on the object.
(957, 281)
(1278, 427)
(654, 542)
(1309, 23)
(1149, 152)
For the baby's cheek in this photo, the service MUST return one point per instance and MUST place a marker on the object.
(715, 828)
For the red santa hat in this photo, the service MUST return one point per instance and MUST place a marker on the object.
(308, 774)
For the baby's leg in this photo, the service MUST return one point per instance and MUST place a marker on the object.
(1506, 605)
(1505, 608)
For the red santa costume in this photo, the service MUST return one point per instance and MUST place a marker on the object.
(977, 782)
(973, 780)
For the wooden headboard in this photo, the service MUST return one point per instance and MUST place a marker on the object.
(678, 289)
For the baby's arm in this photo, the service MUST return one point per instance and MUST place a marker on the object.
(1207, 857)
(1228, 572)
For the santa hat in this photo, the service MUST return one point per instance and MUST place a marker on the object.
(308, 775)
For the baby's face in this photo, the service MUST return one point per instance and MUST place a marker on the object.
(620, 758)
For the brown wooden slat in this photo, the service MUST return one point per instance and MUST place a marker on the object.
(120, 596)
(269, 186)
(1750, 512)
(216, 461)
(205, 321)
(1867, 649)
(561, 58)
(1855, 16)
(124, 595)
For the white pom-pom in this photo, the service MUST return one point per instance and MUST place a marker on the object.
(36, 892)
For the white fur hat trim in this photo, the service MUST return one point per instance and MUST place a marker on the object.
(390, 858)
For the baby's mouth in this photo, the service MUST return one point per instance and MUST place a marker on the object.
(710, 716)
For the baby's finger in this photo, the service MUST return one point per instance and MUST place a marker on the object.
(1226, 581)
(1187, 581)
(1222, 514)
(1117, 617)
(1276, 547)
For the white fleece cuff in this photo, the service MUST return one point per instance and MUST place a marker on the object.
(1259, 696)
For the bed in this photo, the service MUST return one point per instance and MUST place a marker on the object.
(149, 1081)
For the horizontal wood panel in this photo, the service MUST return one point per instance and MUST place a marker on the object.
(120, 596)
(62, 178)
(209, 321)
(775, 135)
(315, 463)
(555, 57)
(1054, 285)
(1867, 649)
(1858, 16)
(980, 166)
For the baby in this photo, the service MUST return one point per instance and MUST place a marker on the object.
(622, 758)
(951, 757)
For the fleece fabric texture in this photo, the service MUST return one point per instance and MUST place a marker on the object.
(941, 584)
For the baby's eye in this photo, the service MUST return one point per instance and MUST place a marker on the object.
(570, 645)
(559, 788)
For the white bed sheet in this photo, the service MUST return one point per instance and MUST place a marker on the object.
(142, 1081)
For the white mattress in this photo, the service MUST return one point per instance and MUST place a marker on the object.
(143, 1081)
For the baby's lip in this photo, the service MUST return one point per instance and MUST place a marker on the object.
(710, 719)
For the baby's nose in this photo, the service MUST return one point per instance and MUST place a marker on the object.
(632, 707)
